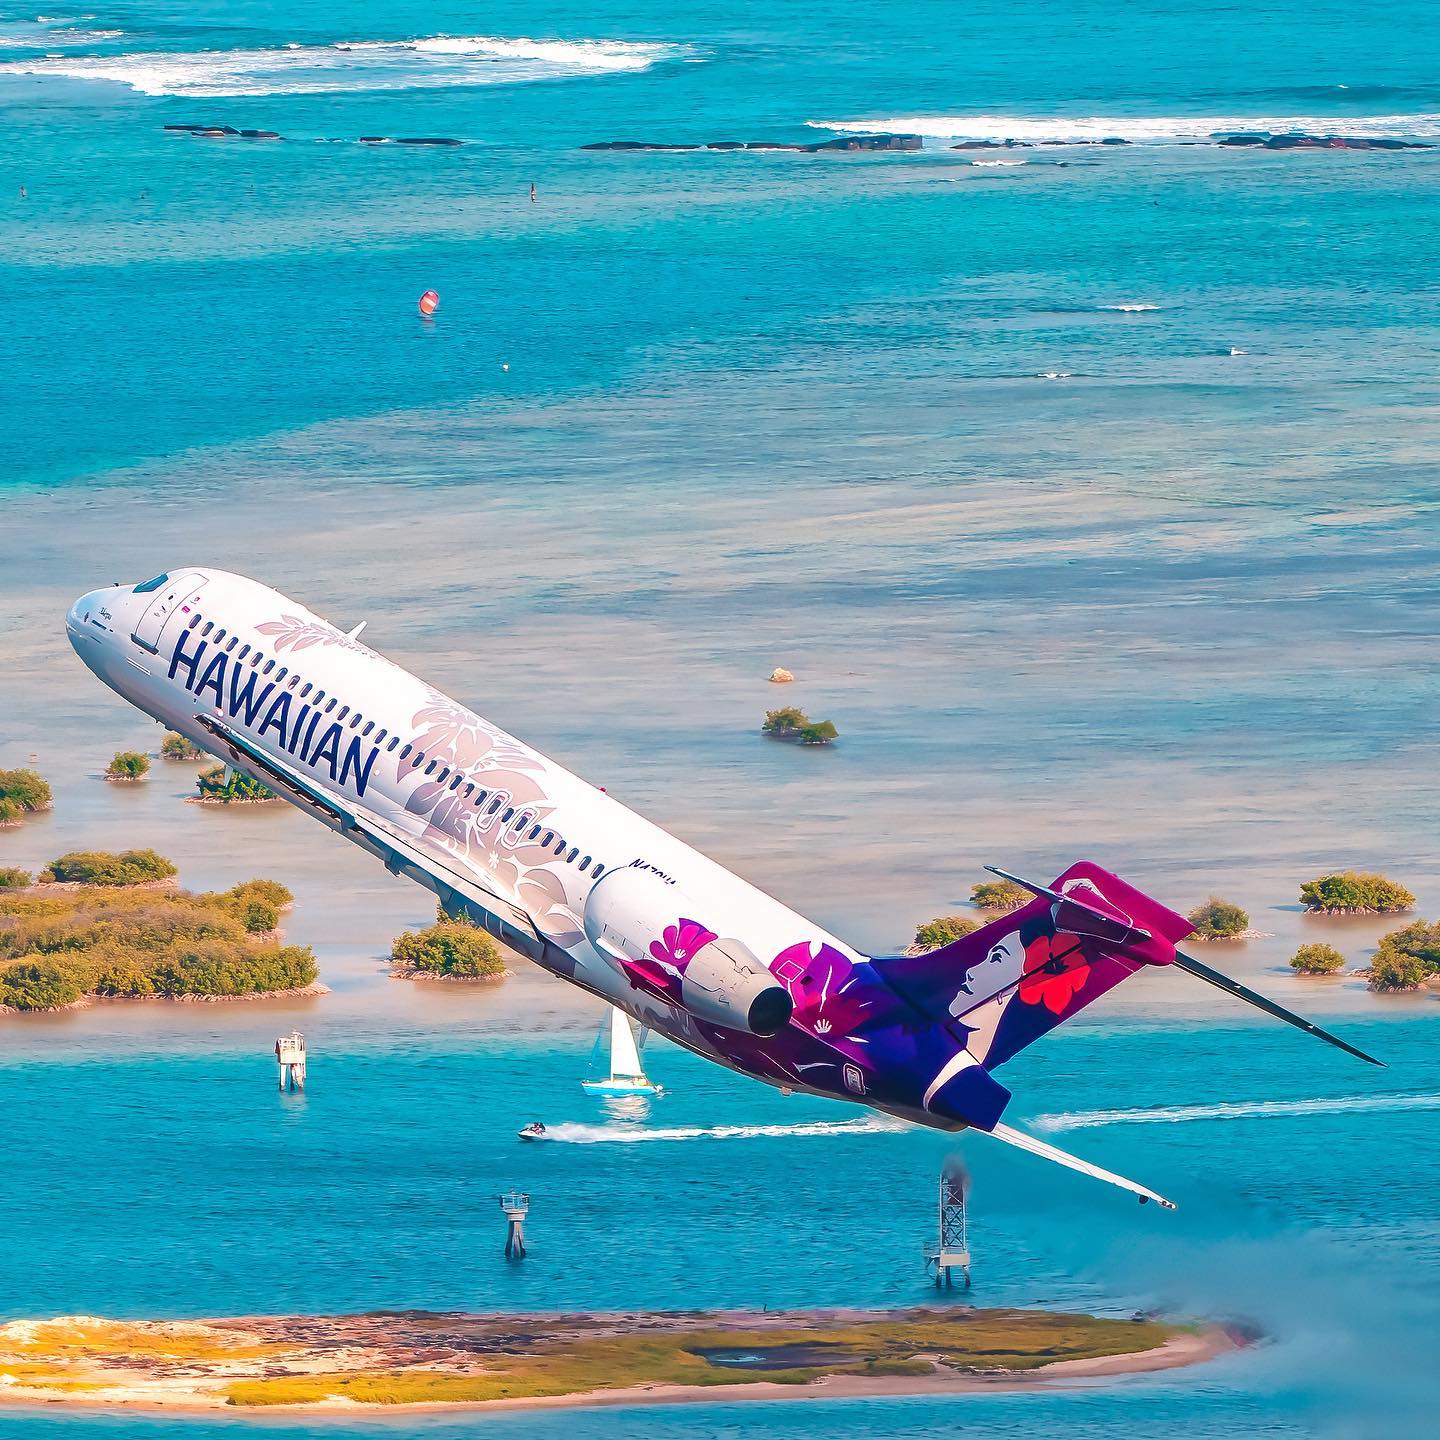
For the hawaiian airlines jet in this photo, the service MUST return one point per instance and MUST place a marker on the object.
(595, 893)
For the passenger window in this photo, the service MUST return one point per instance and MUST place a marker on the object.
(209, 626)
(509, 811)
(269, 666)
(570, 858)
(233, 642)
(344, 711)
(559, 844)
(494, 804)
(469, 788)
(599, 869)
(534, 832)
(304, 689)
(369, 726)
(430, 768)
(585, 863)
(244, 652)
(194, 621)
(549, 836)
(394, 741)
(455, 783)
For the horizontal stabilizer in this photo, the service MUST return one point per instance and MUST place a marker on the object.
(1021, 1141)
(1251, 997)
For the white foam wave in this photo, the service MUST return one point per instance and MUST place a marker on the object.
(634, 1135)
(1140, 129)
(435, 61)
(1132, 308)
(1233, 1110)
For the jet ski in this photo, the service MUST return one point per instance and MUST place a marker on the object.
(535, 1130)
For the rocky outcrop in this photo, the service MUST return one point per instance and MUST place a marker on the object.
(848, 143)
(225, 132)
(1320, 142)
(1031, 144)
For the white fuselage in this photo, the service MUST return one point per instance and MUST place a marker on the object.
(204, 643)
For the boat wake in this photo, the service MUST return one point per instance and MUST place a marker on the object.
(440, 60)
(576, 1134)
(1234, 1110)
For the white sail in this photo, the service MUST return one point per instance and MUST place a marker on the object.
(624, 1056)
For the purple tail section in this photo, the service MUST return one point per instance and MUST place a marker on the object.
(1012, 981)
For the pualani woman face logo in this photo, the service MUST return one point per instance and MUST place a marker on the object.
(1001, 968)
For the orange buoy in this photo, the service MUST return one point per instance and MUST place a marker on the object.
(429, 303)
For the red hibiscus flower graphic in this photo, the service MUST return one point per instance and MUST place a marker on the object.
(680, 942)
(1055, 972)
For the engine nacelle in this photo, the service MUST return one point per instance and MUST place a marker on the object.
(648, 928)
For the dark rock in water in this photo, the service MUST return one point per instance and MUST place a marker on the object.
(1114, 140)
(868, 142)
(1001, 144)
(259, 134)
(427, 140)
(376, 140)
(188, 128)
(1301, 141)
(847, 143)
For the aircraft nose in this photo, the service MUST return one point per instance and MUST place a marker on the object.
(86, 606)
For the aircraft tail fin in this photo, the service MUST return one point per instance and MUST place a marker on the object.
(1015, 979)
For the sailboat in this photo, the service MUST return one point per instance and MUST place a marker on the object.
(626, 1077)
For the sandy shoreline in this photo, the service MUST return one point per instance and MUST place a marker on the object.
(227, 1365)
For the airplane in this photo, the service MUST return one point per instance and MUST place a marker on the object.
(567, 875)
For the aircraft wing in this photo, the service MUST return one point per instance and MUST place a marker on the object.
(401, 854)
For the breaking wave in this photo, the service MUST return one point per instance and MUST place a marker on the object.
(1234, 1110)
(1139, 129)
(634, 1135)
(440, 60)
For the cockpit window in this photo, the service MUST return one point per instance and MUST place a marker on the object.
(150, 585)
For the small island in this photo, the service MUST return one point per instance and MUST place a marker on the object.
(127, 767)
(396, 1359)
(176, 746)
(1219, 919)
(1317, 960)
(217, 786)
(450, 949)
(115, 927)
(22, 793)
(1351, 892)
(1407, 959)
(791, 723)
(942, 930)
(1001, 895)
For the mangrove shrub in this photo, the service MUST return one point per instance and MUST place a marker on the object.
(1218, 919)
(999, 895)
(176, 746)
(1317, 960)
(942, 930)
(215, 784)
(101, 867)
(1349, 892)
(448, 948)
(128, 765)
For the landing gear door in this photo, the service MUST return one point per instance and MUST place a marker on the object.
(167, 604)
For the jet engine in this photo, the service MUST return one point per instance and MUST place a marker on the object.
(652, 932)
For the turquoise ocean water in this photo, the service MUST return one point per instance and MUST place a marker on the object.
(1162, 584)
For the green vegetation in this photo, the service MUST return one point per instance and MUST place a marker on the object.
(128, 765)
(1352, 892)
(176, 746)
(987, 1340)
(1218, 919)
(999, 895)
(942, 930)
(22, 792)
(791, 723)
(101, 867)
(214, 784)
(57, 949)
(1406, 958)
(1317, 960)
(450, 947)
(13, 878)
